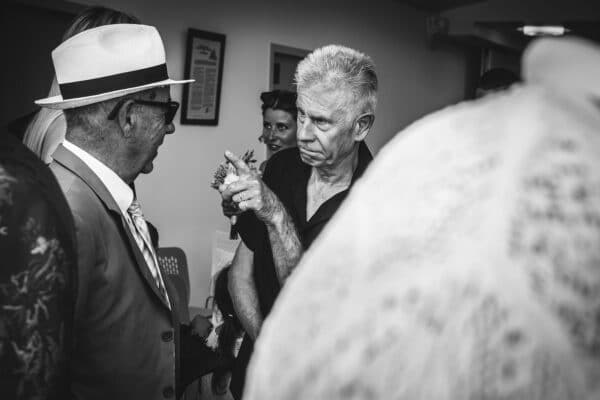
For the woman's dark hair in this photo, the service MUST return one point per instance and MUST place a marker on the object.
(279, 100)
(230, 329)
(94, 17)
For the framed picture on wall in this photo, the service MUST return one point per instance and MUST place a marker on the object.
(204, 63)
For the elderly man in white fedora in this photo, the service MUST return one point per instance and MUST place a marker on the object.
(128, 341)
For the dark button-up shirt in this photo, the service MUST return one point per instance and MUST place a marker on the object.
(287, 176)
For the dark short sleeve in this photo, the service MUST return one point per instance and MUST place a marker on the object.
(250, 228)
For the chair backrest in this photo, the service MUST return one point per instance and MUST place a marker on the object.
(174, 264)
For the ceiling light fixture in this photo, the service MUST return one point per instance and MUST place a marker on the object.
(543, 30)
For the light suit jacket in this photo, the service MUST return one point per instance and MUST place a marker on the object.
(126, 337)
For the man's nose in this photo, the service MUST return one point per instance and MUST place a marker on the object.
(273, 135)
(269, 134)
(170, 129)
(305, 131)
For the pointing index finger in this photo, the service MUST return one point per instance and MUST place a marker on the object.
(240, 166)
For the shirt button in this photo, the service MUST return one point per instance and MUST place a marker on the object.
(168, 392)
(167, 336)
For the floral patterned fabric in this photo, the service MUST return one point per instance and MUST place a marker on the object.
(37, 255)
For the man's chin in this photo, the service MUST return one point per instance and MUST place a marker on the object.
(308, 159)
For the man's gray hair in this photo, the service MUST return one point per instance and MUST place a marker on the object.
(92, 118)
(340, 66)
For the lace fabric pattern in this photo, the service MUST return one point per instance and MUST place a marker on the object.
(464, 265)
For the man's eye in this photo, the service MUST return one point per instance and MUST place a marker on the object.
(267, 126)
(301, 116)
(281, 127)
(321, 123)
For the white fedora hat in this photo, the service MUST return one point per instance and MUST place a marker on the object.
(107, 62)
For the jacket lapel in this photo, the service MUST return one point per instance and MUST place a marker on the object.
(74, 164)
(173, 297)
(142, 266)
(330, 206)
(79, 168)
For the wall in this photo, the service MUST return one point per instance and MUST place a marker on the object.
(414, 81)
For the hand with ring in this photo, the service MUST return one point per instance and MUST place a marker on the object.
(249, 192)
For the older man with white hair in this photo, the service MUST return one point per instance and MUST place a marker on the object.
(301, 188)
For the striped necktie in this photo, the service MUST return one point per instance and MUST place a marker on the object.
(142, 237)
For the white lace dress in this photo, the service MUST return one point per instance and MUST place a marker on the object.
(466, 262)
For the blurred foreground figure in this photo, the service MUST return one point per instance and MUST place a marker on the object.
(478, 276)
(37, 271)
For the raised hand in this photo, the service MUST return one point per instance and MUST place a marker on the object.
(249, 192)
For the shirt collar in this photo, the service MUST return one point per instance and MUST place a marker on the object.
(118, 189)
(364, 159)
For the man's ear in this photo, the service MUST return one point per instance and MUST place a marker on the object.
(362, 126)
(127, 119)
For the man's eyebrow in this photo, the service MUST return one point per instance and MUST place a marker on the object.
(319, 116)
(313, 116)
(321, 119)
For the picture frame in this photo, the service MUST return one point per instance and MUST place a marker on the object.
(204, 63)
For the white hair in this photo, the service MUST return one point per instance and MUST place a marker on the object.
(341, 66)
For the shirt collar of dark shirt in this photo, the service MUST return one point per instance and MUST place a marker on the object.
(364, 159)
(327, 209)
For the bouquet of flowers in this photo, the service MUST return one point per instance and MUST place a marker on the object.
(226, 174)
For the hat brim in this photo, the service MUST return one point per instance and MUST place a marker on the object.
(58, 103)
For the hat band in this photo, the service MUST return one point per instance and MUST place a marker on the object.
(125, 80)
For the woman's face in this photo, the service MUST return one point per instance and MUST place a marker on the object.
(279, 130)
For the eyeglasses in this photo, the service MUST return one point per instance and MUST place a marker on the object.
(170, 107)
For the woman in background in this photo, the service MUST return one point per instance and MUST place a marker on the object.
(279, 133)
(48, 127)
(279, 121)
